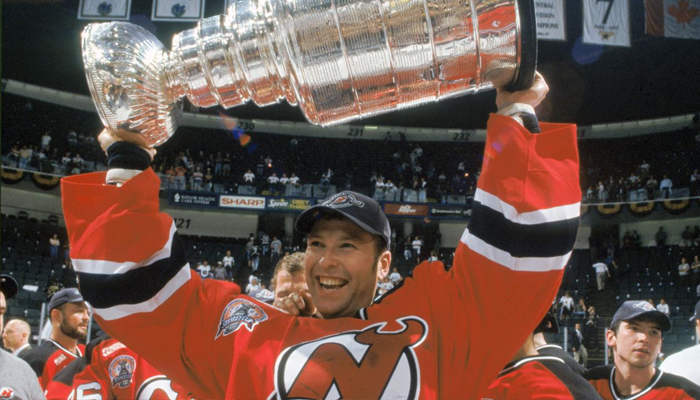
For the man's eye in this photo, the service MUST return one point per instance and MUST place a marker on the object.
(348, 245)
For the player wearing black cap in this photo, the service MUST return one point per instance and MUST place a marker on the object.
(69, 320)
(635, 335)
(17, 380)
(534, 375)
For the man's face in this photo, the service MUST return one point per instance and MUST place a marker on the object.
(342, 268)
(74, 320)
(12, 337)
(636, 344)
(3, 308)
(287, 283)
(577, 327)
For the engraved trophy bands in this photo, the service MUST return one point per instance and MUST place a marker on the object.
(339, 60)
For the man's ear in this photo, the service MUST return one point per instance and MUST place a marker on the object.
(610, 338)
(384, 264)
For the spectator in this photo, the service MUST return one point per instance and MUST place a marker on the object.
(249, 246)
(46, 141)
(254, 258)
(226, 169)
(580, 308)
(208, 180)
(395, 277)
(578, 348)
(695, 268)
(76, 164)
(218, 163)
(661, 237)
(687, 237)
(433, 256)
(220, 271)
(249, 177)
(276, 248)
(254, 285)
(684, 272)
(273, 183)
(15, 337)
(204, 270)
(384, 286)
(666, 186)
(197, 179)
(601, 273)
(284, 180)
(289, 278)
(294, 179)
(228, 262)
(416, 245)
(590, 335)
(407, 254)
(25, 155)
(663, 307)
(567, 306)
(54, 244)
(265, 242)
(326, 177)
(652, 186)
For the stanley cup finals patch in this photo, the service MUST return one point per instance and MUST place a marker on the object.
(239, 312)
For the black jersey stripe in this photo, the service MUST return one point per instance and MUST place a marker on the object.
(134, 286)
(544, 240)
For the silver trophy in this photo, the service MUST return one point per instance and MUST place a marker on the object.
(339, 60)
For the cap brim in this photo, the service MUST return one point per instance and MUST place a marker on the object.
(308, 218)
(662, 319)
(8, 286)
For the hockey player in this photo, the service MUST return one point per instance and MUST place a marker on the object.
(69, 321)
(635, 335)
(221, 344)
(111, 371)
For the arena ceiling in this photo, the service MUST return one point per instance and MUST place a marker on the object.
(656, 77)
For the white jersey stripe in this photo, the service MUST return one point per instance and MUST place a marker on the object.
(103, 267)
(124, 310)
(531, 264)
(553, 214)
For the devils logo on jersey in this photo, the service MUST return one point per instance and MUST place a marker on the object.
(7, 393)
(121, 370)
(374, 363)
(239, 312)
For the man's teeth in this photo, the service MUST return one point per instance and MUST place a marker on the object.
(327, 282)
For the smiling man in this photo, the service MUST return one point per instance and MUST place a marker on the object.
(69, 322)
(635, 335)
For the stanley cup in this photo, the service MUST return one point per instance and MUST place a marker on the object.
(339, 60)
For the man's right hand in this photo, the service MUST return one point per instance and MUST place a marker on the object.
(297, 304)
(107, 137)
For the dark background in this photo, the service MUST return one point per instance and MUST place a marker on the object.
(589, 84)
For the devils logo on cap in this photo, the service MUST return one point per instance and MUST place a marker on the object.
(342, 200)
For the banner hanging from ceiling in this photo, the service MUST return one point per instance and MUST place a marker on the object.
(550, 19)
(606, 22)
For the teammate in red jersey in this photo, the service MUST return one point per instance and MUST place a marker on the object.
(532, 375)
(635, 335)
(218, 343)
(111, 371)
(69, 321)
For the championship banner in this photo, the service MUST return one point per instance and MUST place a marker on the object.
(642, 209)
(109, 10)
(606, 22)
(288, 204)
(178, 10)
(550, 19)
(410, 210)
(673, 18)
(609, 210)
(676, 207)
(249, 202)
(194, 199)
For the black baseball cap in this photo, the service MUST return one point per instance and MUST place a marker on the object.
(63, 296)
(8, 286)
(549, 323)
(696, 316)
(358, 208)
(632, 309)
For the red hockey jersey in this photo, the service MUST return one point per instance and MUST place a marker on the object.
(49, 358)
(111, 371)
(661, 386)
(540, 377)
(440, 335)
